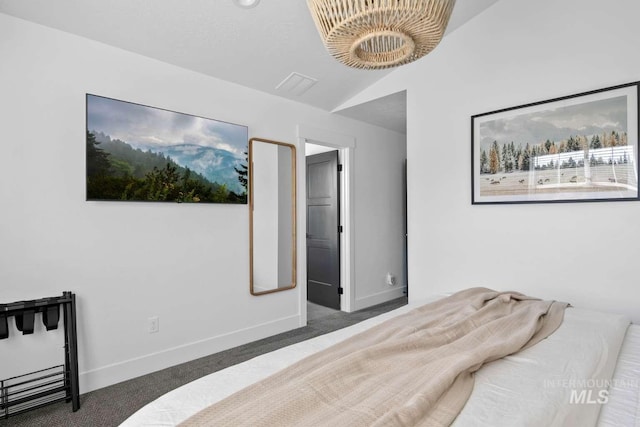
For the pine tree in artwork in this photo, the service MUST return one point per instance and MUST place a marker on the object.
(526, 158)
(242, 172)
(507, 162)
(97, 159)
(484, 161)
(494, 158)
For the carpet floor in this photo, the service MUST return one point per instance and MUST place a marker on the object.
(111, 405)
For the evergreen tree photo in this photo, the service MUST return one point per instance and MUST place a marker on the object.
(165, 167)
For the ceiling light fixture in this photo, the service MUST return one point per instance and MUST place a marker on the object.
(374, 34)
(246, 4)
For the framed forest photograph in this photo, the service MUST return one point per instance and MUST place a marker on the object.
(578, 148)
(139, 153)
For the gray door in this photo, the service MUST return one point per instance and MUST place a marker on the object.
(323, 249)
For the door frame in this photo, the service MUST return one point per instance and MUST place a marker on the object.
(345, 145)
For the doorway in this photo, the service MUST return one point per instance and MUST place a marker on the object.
(323, 227)
(314, 140)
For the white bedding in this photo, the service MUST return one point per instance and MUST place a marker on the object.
(529, 388)
(533, 387)
(623, 408)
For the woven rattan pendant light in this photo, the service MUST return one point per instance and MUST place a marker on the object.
(375, 34)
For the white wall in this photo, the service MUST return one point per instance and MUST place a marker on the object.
(379, 221)
(516, 52)
(311, 149)
(187, 264)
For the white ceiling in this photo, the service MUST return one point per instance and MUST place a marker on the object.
(257, 48)
(389, 112)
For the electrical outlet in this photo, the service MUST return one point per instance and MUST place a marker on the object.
(154, 324)
(391, 279)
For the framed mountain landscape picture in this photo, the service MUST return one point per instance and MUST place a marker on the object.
(578, 148)
(140, 153)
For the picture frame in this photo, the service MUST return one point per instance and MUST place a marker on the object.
(576, 148)
(136, 152)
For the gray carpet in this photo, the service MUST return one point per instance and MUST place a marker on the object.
(110, 406)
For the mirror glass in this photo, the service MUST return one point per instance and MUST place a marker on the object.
(272, 216)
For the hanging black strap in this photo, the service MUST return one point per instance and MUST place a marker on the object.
(51, 316)
(24, 320)
(4, 327)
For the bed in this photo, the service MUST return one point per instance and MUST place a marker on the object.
(586, 373)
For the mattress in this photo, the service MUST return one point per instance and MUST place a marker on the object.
(533, 387)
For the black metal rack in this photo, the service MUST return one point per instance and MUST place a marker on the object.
(57, 383)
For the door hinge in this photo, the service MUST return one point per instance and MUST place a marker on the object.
(340, 229)
(339, 168)
(340, 290)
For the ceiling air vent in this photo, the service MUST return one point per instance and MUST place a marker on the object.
(296, 84)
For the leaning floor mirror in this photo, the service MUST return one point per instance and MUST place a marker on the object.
(272, 216)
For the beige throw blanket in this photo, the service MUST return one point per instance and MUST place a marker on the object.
(413, 370)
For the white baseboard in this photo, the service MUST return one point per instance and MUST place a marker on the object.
(132, 368)
(379, 298)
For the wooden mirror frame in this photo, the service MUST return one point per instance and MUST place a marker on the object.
(293, 217)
